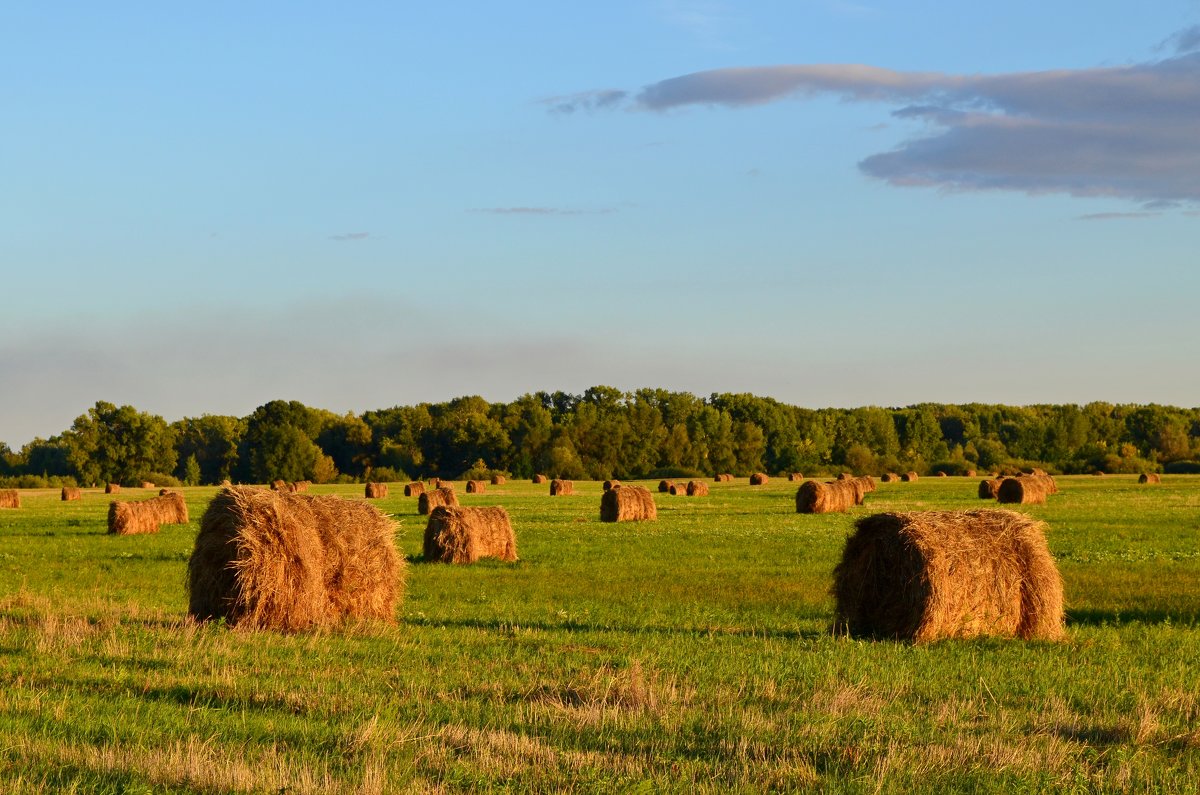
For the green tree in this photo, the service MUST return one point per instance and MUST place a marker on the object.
(213, 440)
(119, 444)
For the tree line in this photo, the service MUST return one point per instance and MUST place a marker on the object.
(603, 433)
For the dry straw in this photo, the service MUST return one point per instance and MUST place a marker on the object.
(724, 477)
(758, 479)
(560, 488)
(10, 498)
(464, 535)
(610, 484)
(1026, 490)
(835, 496)
(70, 493)
(539, 479)
(147, 516)
(1150, 477)
(476, 487)
(442, 495)
(664, 486)
(890, 477)
(147, 484)
(697, 488)
(279, 485)
(112, 488)
(435, 483)
(677, 489)
(970, 473)
(938, 574)
(498, 480)
(988, 488)
(301, 486)
(414, 489)
(795, 477)
(627, 504)
(909, 477)
(284, 561)
(377, 491)
(845, 476)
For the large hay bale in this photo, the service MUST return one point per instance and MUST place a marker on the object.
(171, 508)
(611, 484)
(909, 477)
(890, 477)
(697, 488)
(1028, 490)
(758, 479)
(559, 488)
(10, 498)
(112, 488)
(284, 561)
(377, 491)
(627, 504)
(498, 480)
(988, 488)
(475, 487)
(835, 496)
(146, 516)
(1150, 477)
(937, 574)
(70, 493)
(435, 497)
(539, 479)
(414, 489)
(664, 486)
(464, 535)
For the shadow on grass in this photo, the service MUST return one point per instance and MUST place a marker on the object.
(1114, 618)
(498, 625)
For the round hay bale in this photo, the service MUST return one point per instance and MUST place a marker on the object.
(611, 484)
(724, 477)
(147, 484)
(376, 491)
(697, 488)
(561, 488)
(539, 479)
(845, 476)
(942, 574)
(1150, 477)
(498, 480)
(1098, 473)
(890, 477)
(988, 488)
(414, 489)
(970, 473)
(432, 498)
(10, 498)
(909, 477)
(664, 486)
(69, 493)
(627, 504)
(835, 496)
(942, 475)
(758, 479)
(301, 486)
(464, 535)
(795, 477)
(677, 489)
(476, 486)
(435, 483)
(276, 485)
(112, 488)
(131, 518)
(1029, 490)
(284, 561)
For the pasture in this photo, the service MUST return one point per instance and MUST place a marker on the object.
(688, 654)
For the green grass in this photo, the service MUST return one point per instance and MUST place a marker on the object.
(688, 654)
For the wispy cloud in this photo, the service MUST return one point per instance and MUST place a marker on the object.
(1115, 216)
(541, 211)
(350, 236)
(1186, 40)
(600, 99)
(1127, 132)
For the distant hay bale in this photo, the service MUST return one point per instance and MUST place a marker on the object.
(147, 484)
(890, 477)
(989, 487)
(112, 488)
(724, 477)
(435, 497)
(970, 473)
(435, 483)
(163, 491)
(909, 477)
(627, 504)
(561, 488)
(475, 487)
(665, 485)
(278, 485)
(377, 491)
(1028, 490)
(146, 516)
(795, 477)
(498, 480)
(677, 489)
(70, 493)
(942, 574)
(758, 479)
(464, 535)
(1036, 471)
(414, 489)
(610, 484)
(835, 496)
(301, 486)
(1098, 473)
(1150, 477)
(867, 482)
(697, 488)
(539, 479)
(10, 498)
(942, 474)
(844, 476)
(286, 561)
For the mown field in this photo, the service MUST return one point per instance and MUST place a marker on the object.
(690, 654)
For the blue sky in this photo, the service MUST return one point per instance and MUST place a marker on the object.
(359, 205)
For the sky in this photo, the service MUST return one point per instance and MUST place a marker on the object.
(204, 207)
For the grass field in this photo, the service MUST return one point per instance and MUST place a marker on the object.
(690, 654)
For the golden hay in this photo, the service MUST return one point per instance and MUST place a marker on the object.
(627, 504)
(836, 496)
(890, 477)
(278, 485)
(285, 561)
(844, 476)
(665, 486)
(970, 473)
(112, 488)
(697, 488)
(10, 498)
(724, 477)
(377, 491)
(561, 487)
(942, 475)
(609, 484)
(908, 477)
(1027, 490)
(475, 487)
(69, 493)
(539, 479)
(133, 518)
(498, 480)
(414, 489)
(677, 489)
(939, 574)
(464, 535)
(431, 499)
(435, 483)
(301, 486)
(758, 479)
(1150, 477)
(989, 487)
(147, 484)
(795, 477)
(163, 491)
(1036, 471)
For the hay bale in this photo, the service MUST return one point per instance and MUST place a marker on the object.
(890, 477)
(414, 489)
(163, 491)
(611, 484)
(10, 498)
(758, 479)
(278, 485)
(989, 487)
(146, 516)
(539, 479)
(498, 480)
(147, 484)
(1150, 477)
(1099, 473)
(377, 491)
(435, 497)
(1028, 490)
(697, 488)
(283, 561)
(627, 504)
(938, 574)
(476, 486)
(112, 488)
(835, 496)
(171, 508)
(559, 488)
(301, 486)
(677, 489)
(1036, 471)
(970, 473)
(665, 486)
(909, 477)
(795, 477)
(70, 493)
(845, 476)
(435, 483)
(464, 535)
(942, 475)
(724, 477)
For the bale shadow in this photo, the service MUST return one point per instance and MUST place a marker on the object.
(499, 625)
(1101, 618)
